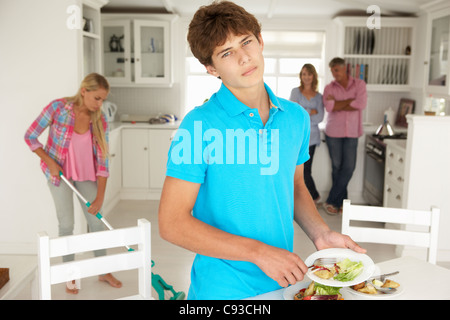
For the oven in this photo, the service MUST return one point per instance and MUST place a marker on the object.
(374, 164)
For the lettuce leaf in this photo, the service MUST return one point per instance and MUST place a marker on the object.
(349, 270)
(321, 289)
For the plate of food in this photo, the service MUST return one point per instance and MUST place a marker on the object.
(350, 268)
(373, 288)
(310, 290)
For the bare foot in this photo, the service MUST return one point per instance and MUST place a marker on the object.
(71, 287)
(113, 282)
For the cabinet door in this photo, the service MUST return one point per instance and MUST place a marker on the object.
(115, 166)
(135, 158)
(438, 66)
(116, 51)
(152, 52)
(159, 144)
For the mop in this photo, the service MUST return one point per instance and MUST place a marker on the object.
(158, 283)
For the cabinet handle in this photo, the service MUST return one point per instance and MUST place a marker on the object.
(400, 160)
(113, 155)
(389, 190)
(400, 179)
(390, 172)
(145, 148)
(391, 155)
(398, 197)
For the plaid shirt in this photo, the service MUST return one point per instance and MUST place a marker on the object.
(60, 117)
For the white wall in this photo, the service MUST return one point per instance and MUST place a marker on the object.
(38, 63)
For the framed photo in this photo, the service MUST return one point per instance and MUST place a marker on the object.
(406, 107)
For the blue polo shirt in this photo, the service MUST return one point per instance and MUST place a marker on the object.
(246, 171)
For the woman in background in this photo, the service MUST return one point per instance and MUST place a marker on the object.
(307, 96)
(77, 145)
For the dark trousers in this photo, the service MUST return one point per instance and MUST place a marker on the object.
(309, 181)
(343, 162)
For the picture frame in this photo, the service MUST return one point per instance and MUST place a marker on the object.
(405, 107)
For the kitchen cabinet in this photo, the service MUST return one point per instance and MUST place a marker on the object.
(438, 71)
(394, 176)
(91, 36)
(135, 166)
(382, 57)
(114, 184)
(144, 159)
(137, 51)
(426, 174)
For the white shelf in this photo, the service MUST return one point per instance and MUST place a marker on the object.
(385, 55)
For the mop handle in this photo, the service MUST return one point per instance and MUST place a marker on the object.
(88, 204)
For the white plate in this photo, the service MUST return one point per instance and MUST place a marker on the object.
(341, 254)
(377, 295)
(373, 296)
(291, 291)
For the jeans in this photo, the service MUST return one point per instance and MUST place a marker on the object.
(343, 162)
(309, 181)
(63, 199)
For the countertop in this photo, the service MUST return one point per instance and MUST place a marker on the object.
(117, 125)
(367, 128)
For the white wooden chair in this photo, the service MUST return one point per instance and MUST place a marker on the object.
(428, 220)
(126, 260)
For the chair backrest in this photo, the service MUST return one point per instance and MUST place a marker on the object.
(140, 258)
(426, 235)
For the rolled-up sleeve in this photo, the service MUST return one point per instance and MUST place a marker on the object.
(38, 126)
(328, 104)
(360, 101)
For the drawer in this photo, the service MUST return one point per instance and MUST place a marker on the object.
(393, 196)
(395, 157)
(394, 175)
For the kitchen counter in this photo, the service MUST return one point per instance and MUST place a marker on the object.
(117, 125)
(397, 142)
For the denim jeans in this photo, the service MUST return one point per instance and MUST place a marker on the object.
(343, 162)
(64, 204)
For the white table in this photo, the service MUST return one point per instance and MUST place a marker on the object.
(22, 272)
(420, 281)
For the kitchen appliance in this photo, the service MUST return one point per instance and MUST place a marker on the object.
(374, 165)
(110, 110)
(385, 129)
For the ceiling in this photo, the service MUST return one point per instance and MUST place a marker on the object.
(275, 8)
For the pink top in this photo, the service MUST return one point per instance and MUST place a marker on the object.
(342, 124)
(79, 164)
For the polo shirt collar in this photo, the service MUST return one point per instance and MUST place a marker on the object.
(234, 107)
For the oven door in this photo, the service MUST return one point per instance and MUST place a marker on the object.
(373, 178)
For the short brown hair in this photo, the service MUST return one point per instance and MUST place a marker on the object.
(212, 25)
(336, 61)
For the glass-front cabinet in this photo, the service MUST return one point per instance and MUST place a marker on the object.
(137, 52)
(438, 59)
(117, 51)
(151, 66)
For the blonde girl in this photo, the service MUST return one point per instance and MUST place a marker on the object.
(77, 145)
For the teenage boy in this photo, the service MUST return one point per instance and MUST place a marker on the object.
(234, 180)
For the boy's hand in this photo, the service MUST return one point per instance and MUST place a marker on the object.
(281, 265)
(332, 239)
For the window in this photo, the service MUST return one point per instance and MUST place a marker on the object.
(285, 53)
